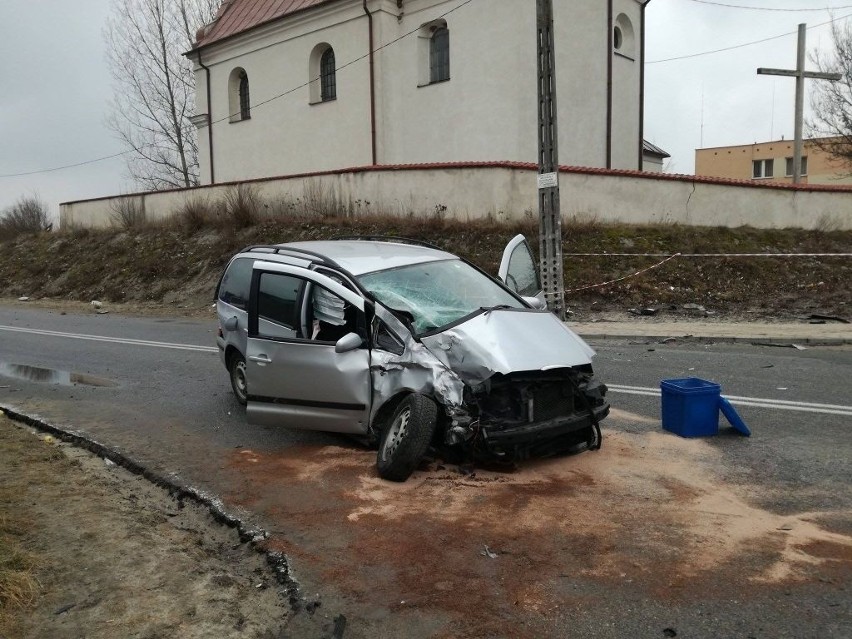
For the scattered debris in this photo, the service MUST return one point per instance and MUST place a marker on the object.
(311, 607)
(96, 304)
(827, 318)
(108, 463)
(781, 388)
(786, 527)
(643, 311)
(768, 366)
(798, 347)
(24, 299)
(669, 340)
(101, 311)
(63, 609)
(694, 307)
(669, 632)
(487, 552)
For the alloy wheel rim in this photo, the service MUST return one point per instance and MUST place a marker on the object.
(396, 434)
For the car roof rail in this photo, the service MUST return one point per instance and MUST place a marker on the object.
(278, 249)
(388, 238)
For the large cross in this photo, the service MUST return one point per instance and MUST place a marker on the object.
(800, 74)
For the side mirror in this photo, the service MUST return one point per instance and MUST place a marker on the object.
(535, 302)
(231, 324)
(348, 342)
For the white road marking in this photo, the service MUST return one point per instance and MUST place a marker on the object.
(758, 402)
(114, 340)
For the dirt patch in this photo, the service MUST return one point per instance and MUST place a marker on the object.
(649, 511)
(118, 557)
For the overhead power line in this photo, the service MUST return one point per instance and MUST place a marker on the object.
(746, 44)
(753, 8)
(66, 166)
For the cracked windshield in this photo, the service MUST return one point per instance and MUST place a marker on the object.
(437, 293)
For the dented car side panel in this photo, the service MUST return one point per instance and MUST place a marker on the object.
(416, 370)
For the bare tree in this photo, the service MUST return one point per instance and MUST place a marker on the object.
(830, 126)
(28, 215)
(155, 87)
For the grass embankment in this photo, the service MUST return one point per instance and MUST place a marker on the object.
(179, 263)
(18, 584)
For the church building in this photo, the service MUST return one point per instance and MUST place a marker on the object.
(288, 87)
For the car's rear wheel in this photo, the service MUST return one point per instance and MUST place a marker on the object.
(237, 368)
(406, 437)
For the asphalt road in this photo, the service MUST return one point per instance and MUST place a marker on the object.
(170, 406)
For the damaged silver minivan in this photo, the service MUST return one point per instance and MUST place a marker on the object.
(408, 346)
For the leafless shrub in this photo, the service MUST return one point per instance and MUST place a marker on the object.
(320, 201)
(242, 205)
(128, 212)
(28, 215)
(194, 214)
(827, 223)
(582, 220)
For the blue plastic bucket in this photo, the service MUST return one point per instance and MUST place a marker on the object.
(690, 406)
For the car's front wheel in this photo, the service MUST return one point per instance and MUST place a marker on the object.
(406, 437)
(237, 368)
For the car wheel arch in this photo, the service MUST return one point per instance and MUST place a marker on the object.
(388, 408)
(230, 352)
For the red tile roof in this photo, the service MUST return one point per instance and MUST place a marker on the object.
(237, 16)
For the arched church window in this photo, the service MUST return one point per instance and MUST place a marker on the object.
(328, 76)
(623, 37)
(239, 102)
(439, 55)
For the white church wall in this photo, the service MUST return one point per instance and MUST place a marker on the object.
(626, 84)
(288, 134)
(509, 193)
(580, 29)
(487, 109)
(485, 112)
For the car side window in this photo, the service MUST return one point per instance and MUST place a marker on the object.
(331, 316)
(386, 340)
(277, 300)
(236, 283)
(522, 276)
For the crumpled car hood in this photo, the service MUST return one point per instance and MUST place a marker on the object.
(508, 341)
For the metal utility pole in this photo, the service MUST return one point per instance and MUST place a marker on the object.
(800, 74)
(550, 214)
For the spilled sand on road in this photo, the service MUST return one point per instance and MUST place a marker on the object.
(644, 498)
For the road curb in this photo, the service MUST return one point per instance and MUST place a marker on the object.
(254, 536)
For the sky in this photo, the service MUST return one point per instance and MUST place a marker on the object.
(57, 87)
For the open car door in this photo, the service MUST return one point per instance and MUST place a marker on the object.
(307, 359)
(518, 270)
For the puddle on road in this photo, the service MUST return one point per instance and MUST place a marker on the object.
(52, 376)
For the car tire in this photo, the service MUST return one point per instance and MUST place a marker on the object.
(406, 437)
(237, 369)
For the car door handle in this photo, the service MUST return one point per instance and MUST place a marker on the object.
(260, 359)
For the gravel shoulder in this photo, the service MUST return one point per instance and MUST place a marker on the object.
(118, 557)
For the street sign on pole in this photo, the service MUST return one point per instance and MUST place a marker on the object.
(550, 215)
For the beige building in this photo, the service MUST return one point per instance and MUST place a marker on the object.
(771, 162)
(297, 86)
